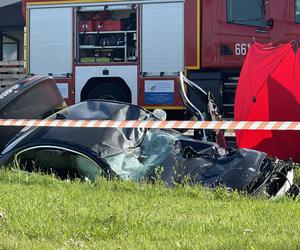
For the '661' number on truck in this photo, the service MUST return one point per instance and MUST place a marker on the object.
(241, 48)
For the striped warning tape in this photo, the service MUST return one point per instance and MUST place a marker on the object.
(232, 125)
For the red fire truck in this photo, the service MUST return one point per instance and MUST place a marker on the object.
(133, 50)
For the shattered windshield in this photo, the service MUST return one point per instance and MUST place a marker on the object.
(134, 164)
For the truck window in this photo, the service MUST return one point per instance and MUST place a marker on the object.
(107, 36)
(250, 13)
(297, 11)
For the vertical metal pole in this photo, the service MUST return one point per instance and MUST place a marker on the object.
(18, 50)
(1, 46)
(125, 46)
(76, 44)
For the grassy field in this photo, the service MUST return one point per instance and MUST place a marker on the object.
(41, 212)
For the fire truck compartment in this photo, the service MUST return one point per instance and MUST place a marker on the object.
(106, 34)
(162, 38)
(50, 50)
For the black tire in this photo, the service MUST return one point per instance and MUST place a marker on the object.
(109, 91)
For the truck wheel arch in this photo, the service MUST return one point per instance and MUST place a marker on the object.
(112, 88)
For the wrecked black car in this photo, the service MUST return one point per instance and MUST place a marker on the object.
(141, 154)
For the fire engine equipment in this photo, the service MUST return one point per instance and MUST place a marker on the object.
(269, 90)
(112, 25)
(86, 26)
(88, 39)
(98, 25)
(112, 40)
(129, 23)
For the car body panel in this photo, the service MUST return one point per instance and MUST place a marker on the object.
(34, 97)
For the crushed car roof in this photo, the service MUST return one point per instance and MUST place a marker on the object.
(101, 141)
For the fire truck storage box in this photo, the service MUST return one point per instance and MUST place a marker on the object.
(87, 39)
(88, 60)
(95, 60)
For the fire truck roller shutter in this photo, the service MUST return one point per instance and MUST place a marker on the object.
(162, 38)
(50, 39)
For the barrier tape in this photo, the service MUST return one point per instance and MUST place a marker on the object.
(226, 125)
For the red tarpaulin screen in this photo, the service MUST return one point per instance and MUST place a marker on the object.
(269, 90)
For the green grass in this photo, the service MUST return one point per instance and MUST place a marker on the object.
(42, 212)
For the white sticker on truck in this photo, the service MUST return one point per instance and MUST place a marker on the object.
(159, 92)
(159, 86)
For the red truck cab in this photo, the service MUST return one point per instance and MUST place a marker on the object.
(228, 27)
